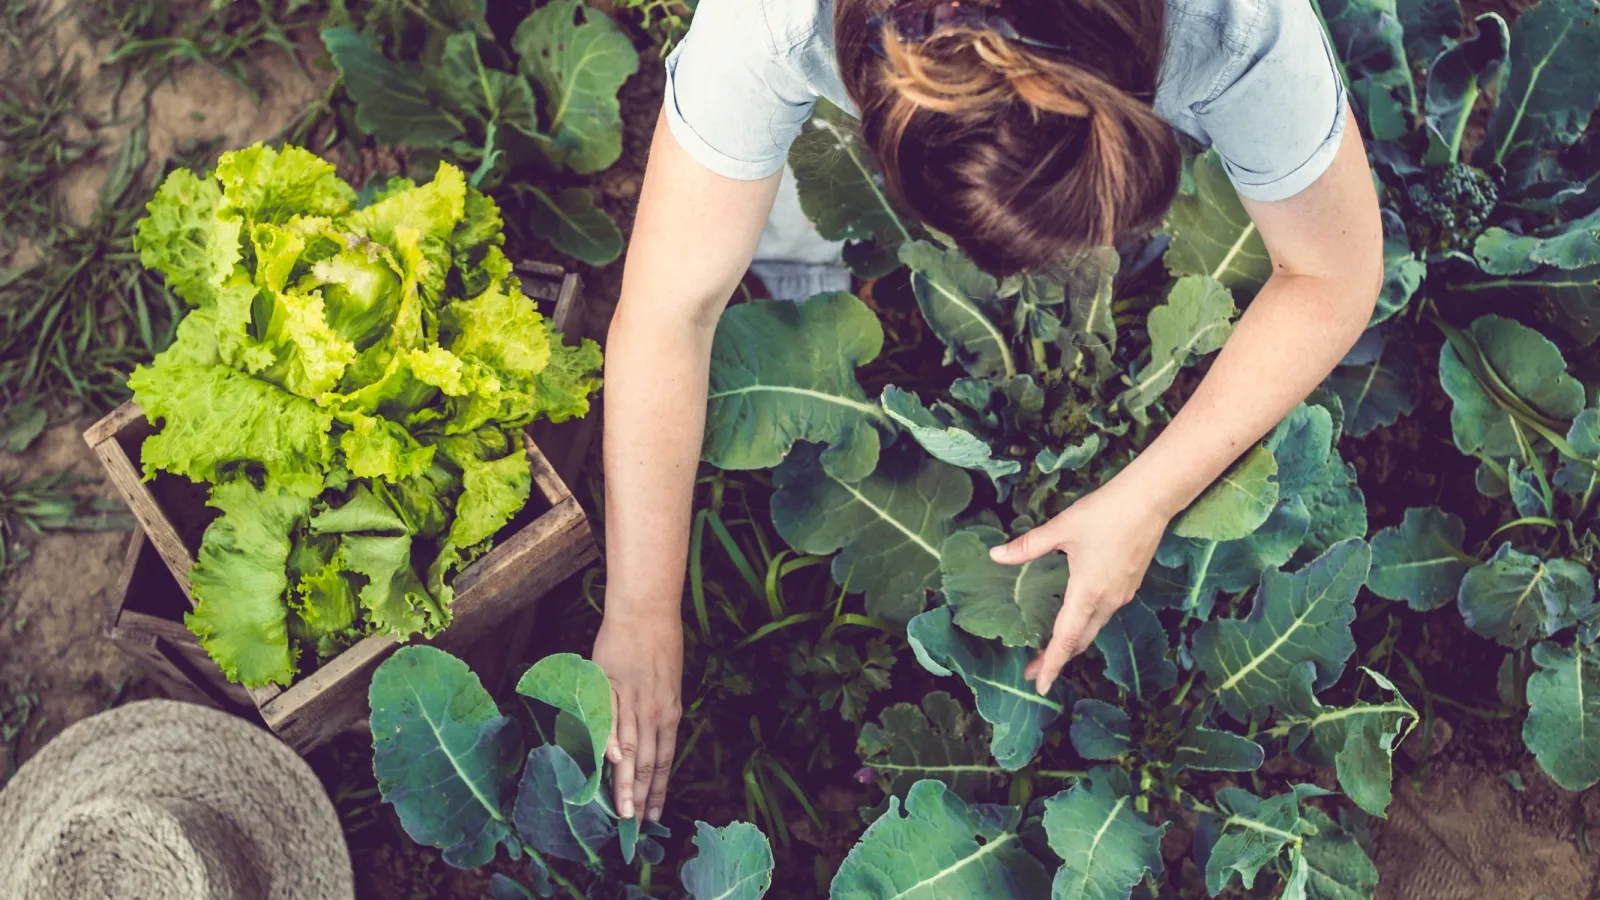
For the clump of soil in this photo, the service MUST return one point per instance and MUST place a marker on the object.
(1466, 834)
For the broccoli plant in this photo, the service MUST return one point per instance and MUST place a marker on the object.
(447, 759)
(1238, 645)
(541, 101)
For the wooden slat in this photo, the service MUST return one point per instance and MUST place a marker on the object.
(536, 558)
(125, 477)
(111, 423)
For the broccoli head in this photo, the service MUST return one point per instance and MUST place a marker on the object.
(1452, 207)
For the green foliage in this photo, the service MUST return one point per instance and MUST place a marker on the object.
(352, 404)
(1106, 846)
(1564, 709)
(547, 107)
(447, 760)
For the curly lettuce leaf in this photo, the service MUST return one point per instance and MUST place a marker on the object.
(364, 511)
(562, 390)
(394, 598)
(501, 328)
(361, 290)
(187, 239)
(240, 579)
(215, 420)
(267, 185)
(323, 610)
(378, 448)
(492, 492)
(431, 210)
(310, 357)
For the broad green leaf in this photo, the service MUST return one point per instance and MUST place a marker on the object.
(1573, 297)
(941, 740)
(1189, 573)
(1213, 236)
(1456, 78)
(1071, 457)
(489, 94)
(1569, 245)
(1564, 714)
(1100, 730)
(579, 58)
(1527, 490)
(1336, 866)
(785, 372)
(1420, 561)
(579, 688)
(548, 816)
(1105, 846)
(1379, 390)
(1402, 270)
(1311, 475)
(1237, 504)
(1091, 330)
(1293, 619)
(1357, 741)
(1546, 99)
(239, 580)
(1015, 604)
(840, 191)
(960, 851)
(392, 102)
(961, 305)
(1429, 26)
(887, 527)
(1004, 697)
(1367, 36)
(733, 862)
(1136, 650)
(945, 442)
(1206, 749)
(1252, 832)
(1195, 320)
(1508, 368)
(1514, 597)
(572, 224)
(444, 756)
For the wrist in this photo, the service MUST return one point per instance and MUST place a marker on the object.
(648, 612)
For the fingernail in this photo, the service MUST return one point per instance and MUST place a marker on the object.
(627, 809)
(655, 814)
(997, 553)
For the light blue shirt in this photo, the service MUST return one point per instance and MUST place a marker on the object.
(1256, 79)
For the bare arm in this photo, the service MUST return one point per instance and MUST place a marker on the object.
(693, 238)
(1326, 245)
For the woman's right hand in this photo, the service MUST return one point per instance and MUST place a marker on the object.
(642, 655)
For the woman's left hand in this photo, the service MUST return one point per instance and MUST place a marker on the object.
(1109, 537)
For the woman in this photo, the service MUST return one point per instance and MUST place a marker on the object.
(1022, 130)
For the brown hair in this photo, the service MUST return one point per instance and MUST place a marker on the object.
(1021, 153)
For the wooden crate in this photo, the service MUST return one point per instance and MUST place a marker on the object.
(491, 613)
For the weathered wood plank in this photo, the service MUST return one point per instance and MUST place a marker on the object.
(125, 477)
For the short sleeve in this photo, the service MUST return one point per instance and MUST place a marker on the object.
(1277, 116)
(732, 100)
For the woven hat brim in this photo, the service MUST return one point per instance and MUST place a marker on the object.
(164, 750)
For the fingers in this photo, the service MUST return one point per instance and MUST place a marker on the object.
(666, 748)
(1065, 641)
(613, 747)
(623, 776)
(645, 769)
(1027, 548)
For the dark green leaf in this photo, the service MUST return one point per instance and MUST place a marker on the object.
(1136, 650)
(444, 756)
(1377, 391)
(1420, 561)
(785, 372)
(1551, 90)
(840, 192)
(1507, 363)
(1358, 741)
(1196, 319)
(733, 862)
(961, 304)
(994, 673)
(1105, 846)
(944, 441)
(1564, 714)
(1515, 597)
(580, 58)
(1455, 80)
(1206, 749)
(960, 851)
(1015, 604)
(547, 816)
(1100, 730)
(1213, 236)
(889, 526)
(948, 743)
(575, 226)
(392, 103)
(580, 689)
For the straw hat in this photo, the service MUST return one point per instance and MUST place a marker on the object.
(167, 800)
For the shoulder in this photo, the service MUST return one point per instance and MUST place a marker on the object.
(774, 28)
(1212, 43)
